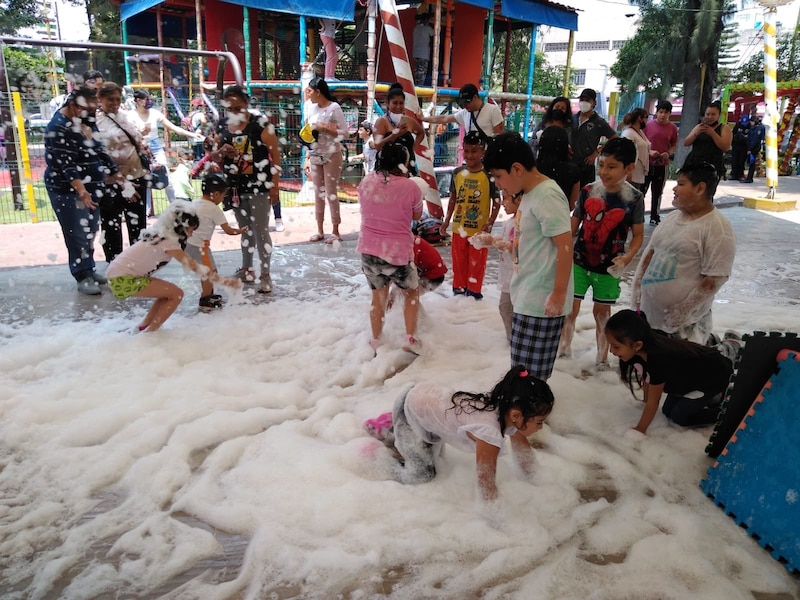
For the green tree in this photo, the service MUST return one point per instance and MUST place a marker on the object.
(104, 26)
(32, 73)
(548, 80)
(677, 45)
(788, 68)
(16, 14)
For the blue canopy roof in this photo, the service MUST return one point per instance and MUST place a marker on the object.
(341, 10)
(540, 12)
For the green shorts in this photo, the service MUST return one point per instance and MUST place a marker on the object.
(605, 287)
(127, 285)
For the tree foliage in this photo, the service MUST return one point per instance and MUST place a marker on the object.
(677, 45)
(752, 71)
(104, 26)
(31, 72)
(547, 80)
(17, 14)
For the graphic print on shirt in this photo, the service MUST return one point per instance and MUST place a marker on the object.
(602, 233)
(663, 267)
(473, 203)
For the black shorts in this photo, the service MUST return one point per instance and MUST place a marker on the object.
(380, 273)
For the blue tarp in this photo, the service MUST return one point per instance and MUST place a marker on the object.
(539, 13)
(131, 8)
(341, 10)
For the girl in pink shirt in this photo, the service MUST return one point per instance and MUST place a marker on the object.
(389, 201)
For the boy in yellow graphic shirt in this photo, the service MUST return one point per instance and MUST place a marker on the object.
(473, 207)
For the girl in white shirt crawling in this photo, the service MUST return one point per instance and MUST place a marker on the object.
(429, 414)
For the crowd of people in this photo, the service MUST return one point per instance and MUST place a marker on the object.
(574, 198)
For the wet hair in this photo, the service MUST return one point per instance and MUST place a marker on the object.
(631, 117)
(518, 389)
(391, 157)
(141, 94)
(474, 138)
(716, 104)
(214, 182)
(506, 149)
(108, 88)
(236, 91)
(701, 172)
(395, 90)
(319, 84)
(366, 125)
(173, 223)
(623, 149)
(549, 113)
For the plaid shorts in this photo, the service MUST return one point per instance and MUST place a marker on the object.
(380, 273)
(534, 343)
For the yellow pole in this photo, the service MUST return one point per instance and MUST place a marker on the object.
(770, 101)
(24, 156)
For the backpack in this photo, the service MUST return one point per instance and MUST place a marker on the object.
(430, 229)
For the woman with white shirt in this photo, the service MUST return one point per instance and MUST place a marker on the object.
(634, 123)
(324, 161)
(147, 119)
(123, 142)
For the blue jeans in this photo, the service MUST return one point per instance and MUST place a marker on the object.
(79, 226)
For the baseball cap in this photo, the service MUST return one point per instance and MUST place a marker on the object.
(589, 94)
(467, 92)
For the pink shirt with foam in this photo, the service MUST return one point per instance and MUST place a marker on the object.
(388, 205)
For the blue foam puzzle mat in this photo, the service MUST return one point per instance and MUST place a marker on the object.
(756, 479)
(752, 369)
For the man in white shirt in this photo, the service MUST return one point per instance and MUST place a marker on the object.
(474, 114)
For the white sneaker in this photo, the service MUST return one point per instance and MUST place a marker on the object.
(412, 345)
(279, 225)
(265, 285)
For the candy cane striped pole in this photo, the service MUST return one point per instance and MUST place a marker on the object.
(771, 100)
(403, 73)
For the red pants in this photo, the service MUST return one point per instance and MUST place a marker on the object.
(469, 264)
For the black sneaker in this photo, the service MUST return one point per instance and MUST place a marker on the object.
(210, 303)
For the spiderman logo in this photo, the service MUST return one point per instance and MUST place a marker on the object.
(598, 225)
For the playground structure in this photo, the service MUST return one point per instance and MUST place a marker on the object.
(753, 480)
(277, 47)
(744, 99)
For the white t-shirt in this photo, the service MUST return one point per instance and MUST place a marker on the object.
(488, 117)
(683, 252)
(331, 114)
(543, 214)
(142, 259)
(506, 262)
(642, 164)
(431, 415)
(210, 216)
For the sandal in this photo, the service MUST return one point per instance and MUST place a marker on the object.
(317, 237)
(332, 239)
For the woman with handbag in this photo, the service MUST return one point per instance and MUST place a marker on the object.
(123, 142)
(247, 148)
(324, 162)
(147, 119)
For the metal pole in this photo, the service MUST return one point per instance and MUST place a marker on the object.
(487, 61)
(248, 70)
(437, 35)
(770, 100)
(125, 54)
(531, 64)
(568, 68)
(220, 54)
(198, 20)
(371, 17)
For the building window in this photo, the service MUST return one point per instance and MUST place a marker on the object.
(617, 44)
(579, 77)
(592, 46)
(556, 47)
